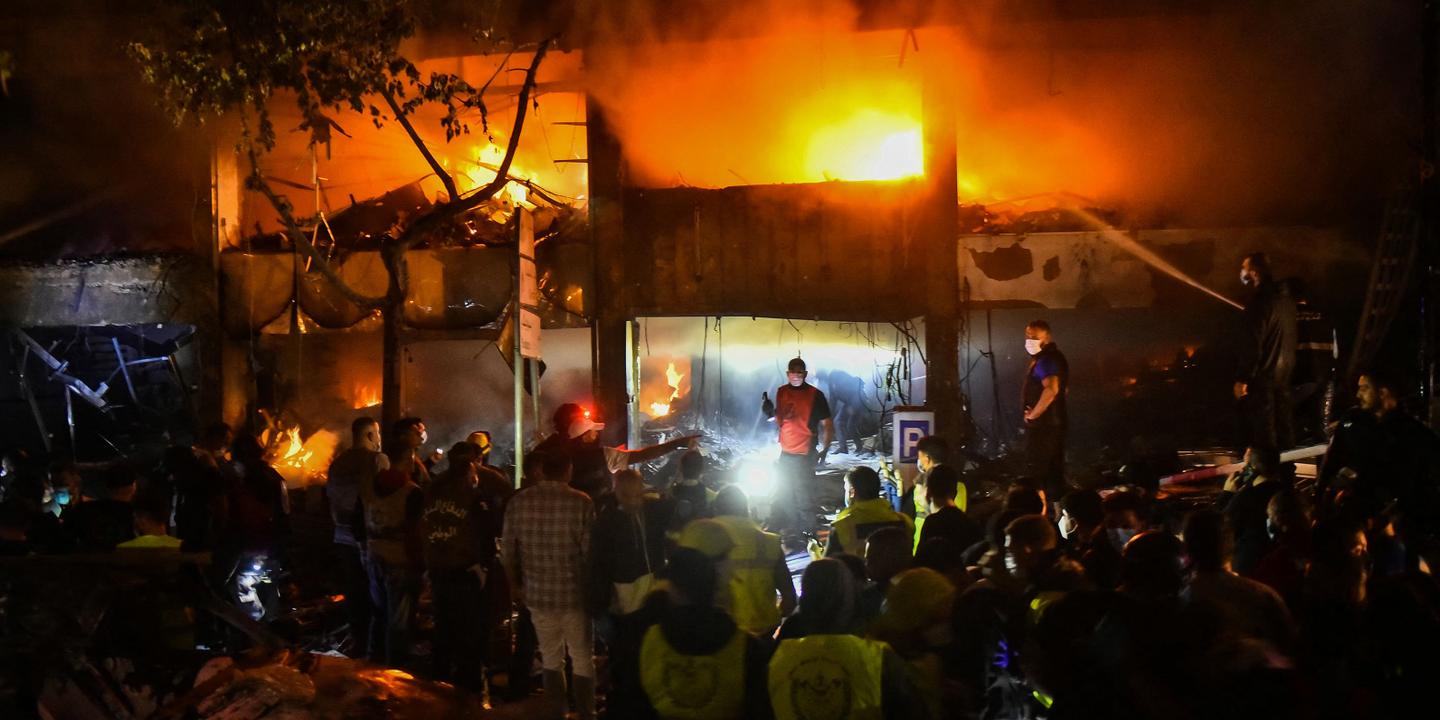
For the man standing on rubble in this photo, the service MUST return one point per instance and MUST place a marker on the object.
(351, 469)
(1047, 382)
(1267, 358)
(800, 411)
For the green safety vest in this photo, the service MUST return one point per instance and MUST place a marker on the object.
(750, 567)
(827, 677)
(855, 523)
(693, 687)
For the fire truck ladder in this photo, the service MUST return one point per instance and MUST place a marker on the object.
(1395, 256)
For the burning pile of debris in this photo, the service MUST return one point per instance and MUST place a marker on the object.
(365, 224)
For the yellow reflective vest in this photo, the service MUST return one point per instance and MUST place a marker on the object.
(855, 523)
(693, 687)
(827, 677)
(750, 571)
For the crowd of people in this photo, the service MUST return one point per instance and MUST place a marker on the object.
(1279, 598)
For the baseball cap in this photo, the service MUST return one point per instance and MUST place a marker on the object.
(583, 425)
(796, 365)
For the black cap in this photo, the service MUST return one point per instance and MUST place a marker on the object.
(796, 365)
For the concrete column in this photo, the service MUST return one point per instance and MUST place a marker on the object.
(611, 301)
(227, 386)
(937, 243)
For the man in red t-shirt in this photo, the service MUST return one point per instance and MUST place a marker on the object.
(800, 411)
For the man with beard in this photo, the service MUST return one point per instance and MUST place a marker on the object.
(1383, 452)
(1267, 352)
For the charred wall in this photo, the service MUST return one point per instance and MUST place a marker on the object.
(841, 251)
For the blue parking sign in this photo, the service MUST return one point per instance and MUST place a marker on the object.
(911, 431)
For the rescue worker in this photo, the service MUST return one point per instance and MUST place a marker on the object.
(800, 411)
(755, 566)
(1267, 351)
(1047, 385)
(916, 623)
(865, 513)
(930, 451)
(839, 676)
(696, 662)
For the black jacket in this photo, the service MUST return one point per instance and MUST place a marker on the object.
(1267, 351)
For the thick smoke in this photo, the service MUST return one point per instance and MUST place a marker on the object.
(1240, 113)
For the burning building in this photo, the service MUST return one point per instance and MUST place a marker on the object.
(919, 180)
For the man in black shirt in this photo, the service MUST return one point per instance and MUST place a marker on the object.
(100, 525)
(945, 519)
(1383, 453)
(459, 541)
(688, 498)
(1267, 352)
(1047, 382)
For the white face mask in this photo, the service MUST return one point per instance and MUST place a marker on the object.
(1032, 346)
(796, 381)
(1067, 526)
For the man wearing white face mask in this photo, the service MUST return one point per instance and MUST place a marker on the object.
(800, 411)
(1047, 381)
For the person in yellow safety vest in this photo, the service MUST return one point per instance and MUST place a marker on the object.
(916, 622)
(755, 568)
(822, 672)
(931, 451)
(696, 663)
(1036, 563)
(867, 512)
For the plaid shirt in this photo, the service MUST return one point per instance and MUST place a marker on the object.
(547, 536)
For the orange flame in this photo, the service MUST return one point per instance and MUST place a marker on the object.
(672, 379)
(662, 407)
(364, 396)
(294, 453)
(302, 462)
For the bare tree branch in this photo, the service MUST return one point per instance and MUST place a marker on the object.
(416, 232)
(400, 117)
(297, 236)
(502, 175)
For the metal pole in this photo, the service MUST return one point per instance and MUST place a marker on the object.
(1429, 254)
(535, 390)
(519, 399)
